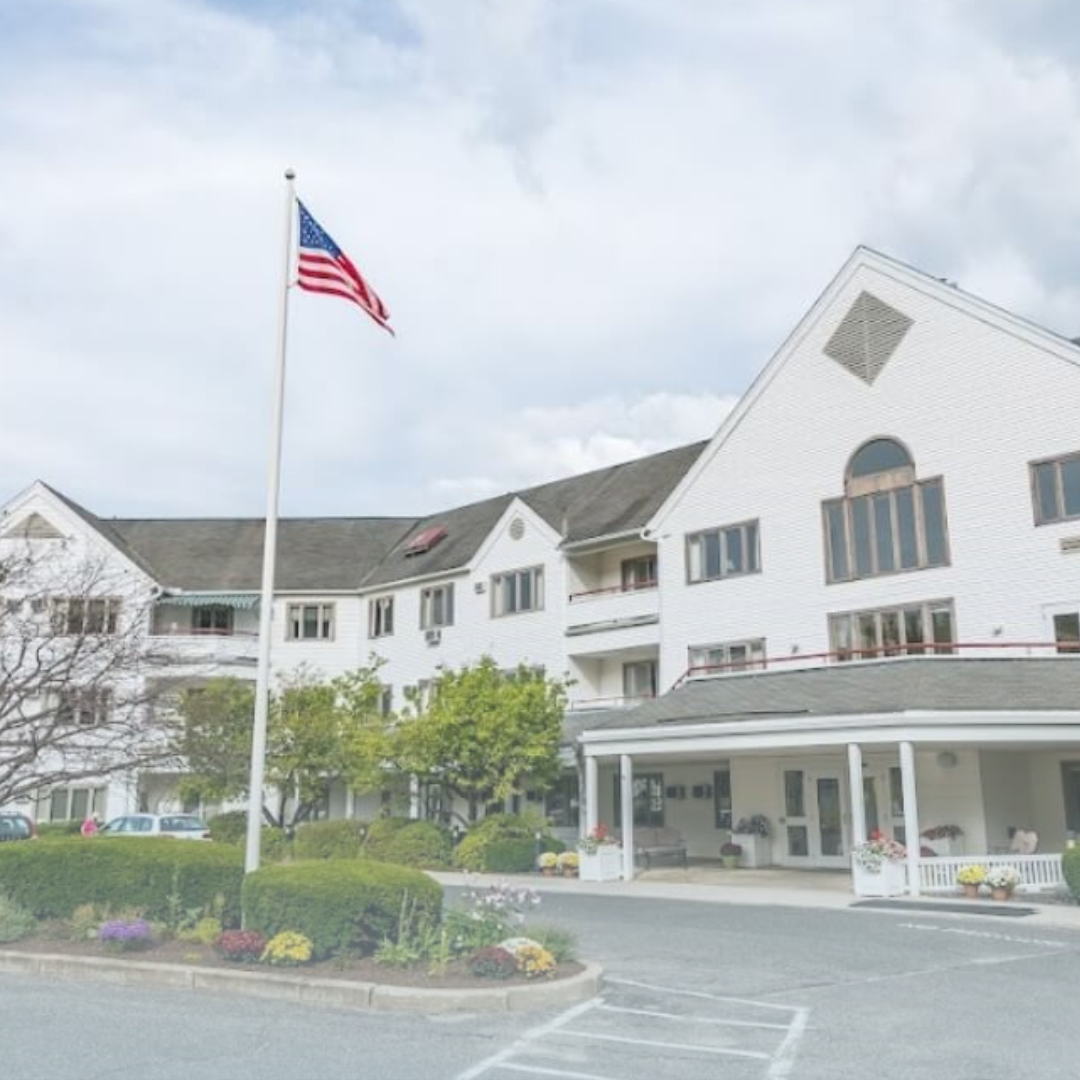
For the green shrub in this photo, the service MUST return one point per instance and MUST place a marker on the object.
(342, 906)
(51, 830)
(231, 828)
(562, 944)
(1070, 864)
(329, 840)
(15, 921)
(515, 856)
(415, 843)
(157, 876)
(472, 852)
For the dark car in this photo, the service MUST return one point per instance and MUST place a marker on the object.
(16, 827)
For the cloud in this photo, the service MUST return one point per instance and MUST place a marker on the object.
(593, 222)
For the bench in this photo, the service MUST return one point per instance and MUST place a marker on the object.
(651, 842)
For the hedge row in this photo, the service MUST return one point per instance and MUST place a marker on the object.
(1070, 865)
(159, 876)
(403, 842)
(347, 906)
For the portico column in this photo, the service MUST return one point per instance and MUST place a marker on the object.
(858, 797)
(626, 787)
(911, 816)
(591, 788)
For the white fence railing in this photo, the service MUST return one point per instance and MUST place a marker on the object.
(1038, 873)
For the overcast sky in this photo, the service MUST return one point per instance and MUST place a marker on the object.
(593, 221)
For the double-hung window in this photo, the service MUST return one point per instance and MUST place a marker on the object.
(85, 615)
(381, 616)
(310, 622)
(1067, 631)
(722, 553)
(517, 591)
(436, 607)
(1055, 486)
(84, 707)
(639, 573)
(639, 679)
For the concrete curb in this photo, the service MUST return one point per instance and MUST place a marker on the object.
(300, 989)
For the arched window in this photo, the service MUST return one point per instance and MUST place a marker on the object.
(888, 521)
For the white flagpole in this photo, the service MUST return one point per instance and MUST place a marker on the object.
(266, 603)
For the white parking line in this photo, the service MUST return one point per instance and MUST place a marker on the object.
(663, 1045)
(693, 1019)
(784, 1059)
(537, 1069)
(677, 991)
(987, 934)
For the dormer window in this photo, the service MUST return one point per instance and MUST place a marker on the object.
(889, 521)
(424, 541)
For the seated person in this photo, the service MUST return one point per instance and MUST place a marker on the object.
(1024, 841)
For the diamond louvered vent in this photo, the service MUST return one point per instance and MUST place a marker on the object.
(867, 336)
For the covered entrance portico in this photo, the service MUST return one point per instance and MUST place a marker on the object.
(1000, 753)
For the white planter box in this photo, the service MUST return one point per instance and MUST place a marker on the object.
(756, 850)
(604, 865)
(892, 881)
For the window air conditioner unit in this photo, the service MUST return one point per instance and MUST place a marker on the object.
(433, 637)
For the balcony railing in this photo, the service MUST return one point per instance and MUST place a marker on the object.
(922, 650)
(611, 590)
(186, 645)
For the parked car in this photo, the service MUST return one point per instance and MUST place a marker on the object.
(180, 826)
(15, 826)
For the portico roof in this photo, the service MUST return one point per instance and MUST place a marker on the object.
(900, 685)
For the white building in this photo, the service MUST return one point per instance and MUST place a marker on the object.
(866, 586)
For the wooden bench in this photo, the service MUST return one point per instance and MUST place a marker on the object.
(652, 842)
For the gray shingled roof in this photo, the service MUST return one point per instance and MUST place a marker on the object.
(226, 553)
(898, 685)
(223, 554)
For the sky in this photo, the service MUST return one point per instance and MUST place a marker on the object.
(593, 222)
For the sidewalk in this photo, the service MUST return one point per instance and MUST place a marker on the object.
(829, 889)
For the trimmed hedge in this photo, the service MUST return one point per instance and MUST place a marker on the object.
(514, 856)
(1070, 866)
(53, 830)
(231, 828)
(343, 906)
(473, 851)
(329, 840)
(157, 875)
(422, 844)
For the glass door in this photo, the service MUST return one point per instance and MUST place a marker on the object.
(814, 815)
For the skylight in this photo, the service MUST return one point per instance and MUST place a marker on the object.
(425, 541)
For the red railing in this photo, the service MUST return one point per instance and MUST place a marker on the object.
(885, 652)
(638, 586)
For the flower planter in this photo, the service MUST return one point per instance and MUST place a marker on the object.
(971, 891)
(891, 880)
(731, 862)
(605, 864)
(1001, 894)
(756, 850)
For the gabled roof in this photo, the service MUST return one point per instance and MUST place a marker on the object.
(903, 684)
(1049, 342)
(226, 553)
(603, 502)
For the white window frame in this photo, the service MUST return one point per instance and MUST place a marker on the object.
(506, 591)
(749, 533)
(295, 621)
(437, 606)
(844, 629)
(381, 617)
(747, 654)
(630, 680)
(96, 797)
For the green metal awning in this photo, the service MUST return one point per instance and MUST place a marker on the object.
(233, 600)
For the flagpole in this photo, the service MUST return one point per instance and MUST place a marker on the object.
(266, 602)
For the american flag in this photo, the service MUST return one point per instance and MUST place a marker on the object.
(323, 267)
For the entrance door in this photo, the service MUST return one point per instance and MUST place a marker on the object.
(814, 808)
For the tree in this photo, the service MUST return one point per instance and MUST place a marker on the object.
(318, 733)
(78, 700)
(485, 732)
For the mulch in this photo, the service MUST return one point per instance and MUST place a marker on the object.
(358, 969)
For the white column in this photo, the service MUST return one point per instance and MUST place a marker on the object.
(350, 803)
(911, 816)
(592, 816)
(626, 787)
(414, 798)
(858, 800)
